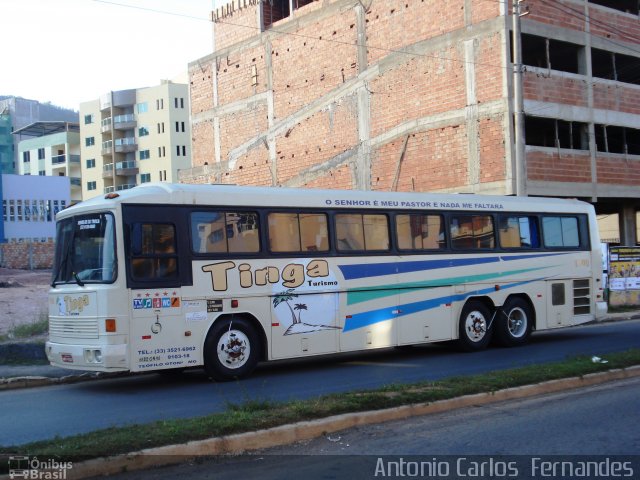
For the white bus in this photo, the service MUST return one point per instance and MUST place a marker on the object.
(169, 276)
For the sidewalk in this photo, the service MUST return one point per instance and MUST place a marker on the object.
(25, 375)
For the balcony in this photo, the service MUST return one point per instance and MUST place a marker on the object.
(126, 186)
(126, 144)
(128, 168)
(58, 160)
(109, 189)
(124, 122)
(75, 181)
(106, 125)
(107, 170)
(107, 147)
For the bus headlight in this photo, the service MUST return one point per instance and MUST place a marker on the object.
(93, 356)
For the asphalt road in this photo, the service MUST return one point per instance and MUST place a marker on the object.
(525, 438)
(41, 413)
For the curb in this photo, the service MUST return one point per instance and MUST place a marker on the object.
(287, 434)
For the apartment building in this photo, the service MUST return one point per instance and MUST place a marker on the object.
(51, 149)
(18, 112)
(130, 137)
(424, 96)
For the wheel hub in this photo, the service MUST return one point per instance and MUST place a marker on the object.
(233, 349)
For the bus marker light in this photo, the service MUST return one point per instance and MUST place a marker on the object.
(275, 324)
(146, 337)
(187, 333)
(234, 303)
(110, 325)
(497, 287)
(348, 316)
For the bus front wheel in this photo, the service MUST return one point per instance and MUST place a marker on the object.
(474, 332)
(514, 323)
(231, 349)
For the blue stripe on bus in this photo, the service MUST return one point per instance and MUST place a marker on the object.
(364, 319)
(366, 270)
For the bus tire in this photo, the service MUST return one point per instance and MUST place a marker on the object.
(514, 322)
(231, 350)
(474, 332)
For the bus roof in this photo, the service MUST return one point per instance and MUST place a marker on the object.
(248, 196)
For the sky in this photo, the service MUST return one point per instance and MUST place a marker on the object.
(71, 51)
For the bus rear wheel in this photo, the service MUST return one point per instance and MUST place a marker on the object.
(474, 332)
(231, 349)
(515, 322)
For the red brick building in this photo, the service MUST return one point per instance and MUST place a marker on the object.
(418, 95)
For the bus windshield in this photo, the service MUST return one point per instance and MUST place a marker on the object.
(85, 250)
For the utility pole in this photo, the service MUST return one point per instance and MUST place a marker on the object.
(518, 105)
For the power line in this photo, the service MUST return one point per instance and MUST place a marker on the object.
(154, 10)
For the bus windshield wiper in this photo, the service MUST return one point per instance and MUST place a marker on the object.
(63, 264)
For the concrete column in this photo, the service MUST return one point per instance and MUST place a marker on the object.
(627, 219)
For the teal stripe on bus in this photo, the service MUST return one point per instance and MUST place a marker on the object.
(359, 295)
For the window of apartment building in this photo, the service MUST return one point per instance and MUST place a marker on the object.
(627, 6)
(145, 177)
(178, 150)
(163, 175)
(162, 152)
(143, 131)
(159, 103)
(41, 154)
(88, 119)
(181, 102)
(91, 185)
(551, 132)
(142, 107)
(184, 150)
(161, 127)
(91, 163)
(42, 173)
(614, 139)
(552, 54)
(18, 210)
(89, 141)
(145, 154)
(179, 126)
(275, 10)
(26, 157)
(615, 66)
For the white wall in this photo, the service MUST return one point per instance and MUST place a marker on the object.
(23, 193)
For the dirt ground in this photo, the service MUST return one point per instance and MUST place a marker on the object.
(23, 297)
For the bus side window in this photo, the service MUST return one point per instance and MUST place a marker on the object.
(518, 232)
(355, 231)
(224, 232)
(153, 251)
(560, 231)
(298, 232)
(420, 232)
(472, 232)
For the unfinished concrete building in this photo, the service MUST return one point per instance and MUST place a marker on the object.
(422, 95)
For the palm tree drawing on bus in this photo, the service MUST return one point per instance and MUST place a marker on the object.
(297, 325)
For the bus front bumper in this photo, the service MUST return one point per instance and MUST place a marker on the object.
(101, 358)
